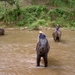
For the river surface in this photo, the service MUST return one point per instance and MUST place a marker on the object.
(18, 54)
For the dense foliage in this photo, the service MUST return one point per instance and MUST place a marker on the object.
(36, 15)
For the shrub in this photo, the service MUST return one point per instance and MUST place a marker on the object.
(35, 25)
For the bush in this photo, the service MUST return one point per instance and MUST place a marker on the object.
(2, 12)
(38, 15)
(38, 23)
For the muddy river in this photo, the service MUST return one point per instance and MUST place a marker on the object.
(18, 55)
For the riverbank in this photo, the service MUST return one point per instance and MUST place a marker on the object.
(40, 28)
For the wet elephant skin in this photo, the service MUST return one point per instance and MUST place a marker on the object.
(56, 35)
(1, 31)
(42, 51)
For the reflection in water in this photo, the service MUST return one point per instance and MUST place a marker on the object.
(18, 55)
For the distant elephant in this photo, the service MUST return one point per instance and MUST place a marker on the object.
(56, 35)
(42, 51)
(2, 31)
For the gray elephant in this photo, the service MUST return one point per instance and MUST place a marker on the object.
(42, 51)
(56, 35)
(2, 31)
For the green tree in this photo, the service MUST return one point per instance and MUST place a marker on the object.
(11, 2)
(16, 10)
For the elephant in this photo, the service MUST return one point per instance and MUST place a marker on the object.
(2, 31)
(42, 51)
(56, 36)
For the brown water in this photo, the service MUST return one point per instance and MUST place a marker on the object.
(18, 55)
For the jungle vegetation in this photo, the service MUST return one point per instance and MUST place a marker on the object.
(35, 13)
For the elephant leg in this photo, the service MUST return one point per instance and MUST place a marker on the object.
(54, 38)
(45, 61)
(59, 39)
(38, 60)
